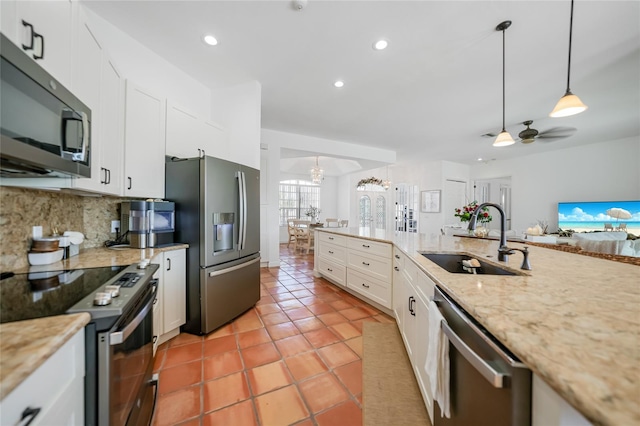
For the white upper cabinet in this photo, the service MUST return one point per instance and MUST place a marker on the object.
(183, 136)
(43, 29)
(144, 143)
(188, 135)
(111, 127)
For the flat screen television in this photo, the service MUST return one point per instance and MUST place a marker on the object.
(600, 216)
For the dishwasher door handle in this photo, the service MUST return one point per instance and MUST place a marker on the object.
(496, 378)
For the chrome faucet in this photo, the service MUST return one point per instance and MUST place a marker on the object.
(503, 250)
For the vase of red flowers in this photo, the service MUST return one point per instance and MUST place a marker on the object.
(465, 213)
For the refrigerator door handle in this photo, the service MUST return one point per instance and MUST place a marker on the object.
(241, 222)
(233, 268)
(244, 210)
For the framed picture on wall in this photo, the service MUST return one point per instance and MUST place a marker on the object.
(430, 201)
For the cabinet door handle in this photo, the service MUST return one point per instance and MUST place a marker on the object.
(29, 412)
(365, 263)
(155, 339)
(364, 285)
(365, 246)
(130, 182)
(330, 252)
(199, 153)
(28, 25)
(331, 238)
(41, 55)
(102, 169)
(411, 300)
(108, 176)
(329, 269)
(397, 257)
(203, 153)
(396, 268)
(169, 264)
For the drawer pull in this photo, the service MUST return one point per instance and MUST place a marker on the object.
(397, 257)
(365, 263)
(30, 414)
(330, 252)
(364, 285)
(329, 269)
(396, 268)
(331, 238)
(365, 246)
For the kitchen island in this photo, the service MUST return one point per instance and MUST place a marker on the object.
(573, 320)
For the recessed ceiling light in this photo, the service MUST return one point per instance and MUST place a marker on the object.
(210, 40)
(339, 83)
(380, 45)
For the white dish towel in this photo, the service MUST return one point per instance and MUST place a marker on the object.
(437, 365)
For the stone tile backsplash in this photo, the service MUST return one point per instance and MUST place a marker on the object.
(22, 208)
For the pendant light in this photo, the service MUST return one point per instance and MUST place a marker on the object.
(317, 174)
(386, 183)
(569, 104)
(504, 138)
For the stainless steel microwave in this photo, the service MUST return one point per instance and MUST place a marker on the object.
(44, 129)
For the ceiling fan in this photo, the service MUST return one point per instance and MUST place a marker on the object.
(529, 135)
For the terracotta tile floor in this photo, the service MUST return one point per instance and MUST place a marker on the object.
(293, 359)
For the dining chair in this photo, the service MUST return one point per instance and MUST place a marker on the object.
(332, 222)
(304, 239)
(344, 223)
(291, 229)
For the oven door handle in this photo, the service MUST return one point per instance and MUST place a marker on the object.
(118, 337)
(496, 378)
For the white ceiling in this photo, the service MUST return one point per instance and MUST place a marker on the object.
(437, 87)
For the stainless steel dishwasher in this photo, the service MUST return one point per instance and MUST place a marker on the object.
(488, 384)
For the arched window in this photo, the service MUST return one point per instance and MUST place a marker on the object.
(296, 196)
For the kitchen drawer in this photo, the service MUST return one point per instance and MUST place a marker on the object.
(377, 290)
(333, 252)
(375, 266)
(411, 270)
(424, 286)
(335, 272)
(336, 239)
(368, 246)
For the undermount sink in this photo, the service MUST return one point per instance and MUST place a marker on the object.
(452, 262)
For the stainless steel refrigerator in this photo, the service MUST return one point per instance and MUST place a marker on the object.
(218, 215)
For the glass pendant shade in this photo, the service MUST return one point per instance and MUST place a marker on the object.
(317, 174)
(568, 105)
(503, 139)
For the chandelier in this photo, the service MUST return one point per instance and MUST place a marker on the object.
(317, 174)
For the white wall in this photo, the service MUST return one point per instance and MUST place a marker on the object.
(606, 171)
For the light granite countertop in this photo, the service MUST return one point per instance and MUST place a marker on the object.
(25, 345)
(574, 320)
(99, 257)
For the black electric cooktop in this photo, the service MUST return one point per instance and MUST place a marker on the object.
(43, 294)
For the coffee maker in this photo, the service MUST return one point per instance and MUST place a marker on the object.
(148, 223)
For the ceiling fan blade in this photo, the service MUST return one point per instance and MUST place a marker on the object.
(562, 132)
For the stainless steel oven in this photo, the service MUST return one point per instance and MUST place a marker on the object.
(125, 365)
(489, 386)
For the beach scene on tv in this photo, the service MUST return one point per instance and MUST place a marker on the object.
(600, 216)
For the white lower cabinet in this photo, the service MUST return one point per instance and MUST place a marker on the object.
(59, 404)
(170, 310)
(412, 290)
(550, 409)
(331, 254)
